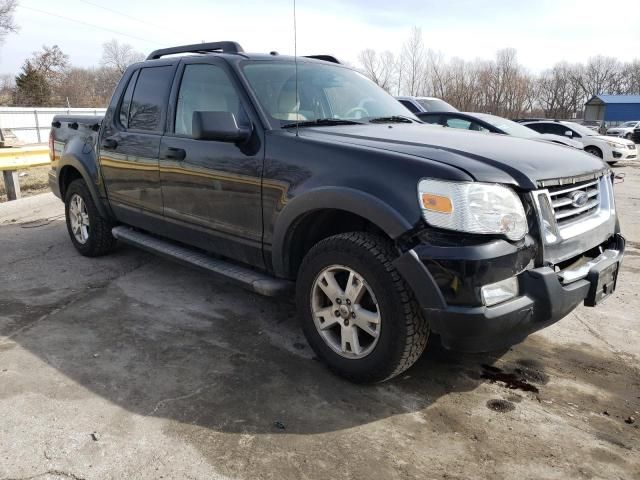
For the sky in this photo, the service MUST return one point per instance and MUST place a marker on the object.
(542, 31)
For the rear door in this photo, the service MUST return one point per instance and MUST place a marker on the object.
(212, 189)
(130, 144)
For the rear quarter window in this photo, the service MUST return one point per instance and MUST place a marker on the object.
(125, 104)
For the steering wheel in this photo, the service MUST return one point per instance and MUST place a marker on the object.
(354, 110)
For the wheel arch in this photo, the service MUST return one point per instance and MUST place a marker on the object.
(323, 212)
(595, 147)
(70, 168)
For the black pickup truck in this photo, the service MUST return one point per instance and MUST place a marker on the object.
(298, 176)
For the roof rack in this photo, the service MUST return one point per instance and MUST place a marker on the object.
(326, 58)
(220, 47)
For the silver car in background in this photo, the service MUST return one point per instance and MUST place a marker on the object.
(624, 130)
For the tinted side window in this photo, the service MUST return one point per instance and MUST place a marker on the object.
(205, 88)
(436, 119)
(538, 127)
(126, 101)
(149, 98)
(557, 129)
(410, 106)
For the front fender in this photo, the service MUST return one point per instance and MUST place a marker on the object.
(339, 198)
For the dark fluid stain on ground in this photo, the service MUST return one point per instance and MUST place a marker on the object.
(517, 380)
(533, 376)
(499, 405)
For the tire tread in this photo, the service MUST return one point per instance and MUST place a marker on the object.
(417, 328)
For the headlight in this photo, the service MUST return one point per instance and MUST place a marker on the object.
(615, 145)
(472, 207)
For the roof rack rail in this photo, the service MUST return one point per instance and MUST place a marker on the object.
(221, 47)
(326, 58)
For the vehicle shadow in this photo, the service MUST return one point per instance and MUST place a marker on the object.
(169, 342)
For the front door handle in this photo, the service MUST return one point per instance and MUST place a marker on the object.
(176, 153)
(109, 143)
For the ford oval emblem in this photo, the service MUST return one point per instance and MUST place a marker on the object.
(579, 199)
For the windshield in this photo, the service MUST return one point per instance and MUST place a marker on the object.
(436, 105)
(628, 125)
(581, 129)
(324, 92)
(508, 126)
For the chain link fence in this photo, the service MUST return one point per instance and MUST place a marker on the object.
(24, 126)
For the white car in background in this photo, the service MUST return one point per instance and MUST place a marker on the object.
(426, 104)
(625, 130)
(610, 149)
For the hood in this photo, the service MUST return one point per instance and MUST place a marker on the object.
(485, 157)
(550, 137)
(609, 138)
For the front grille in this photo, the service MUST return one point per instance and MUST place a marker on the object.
(564, 207)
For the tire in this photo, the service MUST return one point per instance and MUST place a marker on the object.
(92, 237)
(402, 331)
(629, 136)
(594, 151)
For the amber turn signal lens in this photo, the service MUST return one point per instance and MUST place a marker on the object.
(436, 203)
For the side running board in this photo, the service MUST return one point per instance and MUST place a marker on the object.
(245, 277)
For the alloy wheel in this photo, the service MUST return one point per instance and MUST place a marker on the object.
(345, 311)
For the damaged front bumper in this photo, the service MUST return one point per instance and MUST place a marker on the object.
(545, 294)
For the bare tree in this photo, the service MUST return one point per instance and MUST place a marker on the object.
(600, 75)
(631, 77)
(378, 67)
(414, 63)
(50, 62)
(7, 23)
(437, 74)
(119, 56)
(7, 89)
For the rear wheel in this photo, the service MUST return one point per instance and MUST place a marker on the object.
(90, 232)
(357, 313)
(629, 136)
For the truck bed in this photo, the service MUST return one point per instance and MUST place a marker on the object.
(66, 126)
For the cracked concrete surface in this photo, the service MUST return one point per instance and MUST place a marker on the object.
(130, 366)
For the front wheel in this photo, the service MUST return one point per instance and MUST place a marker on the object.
(629, 136)
(357, 313)
(90, 232)
(594, 151)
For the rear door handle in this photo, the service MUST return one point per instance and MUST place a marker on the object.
(176, 153)
(109, 144)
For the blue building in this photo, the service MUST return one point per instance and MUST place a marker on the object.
(612, 108)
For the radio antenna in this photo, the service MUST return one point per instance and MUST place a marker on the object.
(295, 62)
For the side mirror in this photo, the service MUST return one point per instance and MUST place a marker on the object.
(568, 133)
(220, 126)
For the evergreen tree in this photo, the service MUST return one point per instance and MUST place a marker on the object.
(32, 87)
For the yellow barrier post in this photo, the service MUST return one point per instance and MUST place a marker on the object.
(14, 159)
(11, 184)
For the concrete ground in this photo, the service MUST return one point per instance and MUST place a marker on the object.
(130, 366)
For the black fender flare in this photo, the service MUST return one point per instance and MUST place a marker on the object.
(89, 171)
(349, 200)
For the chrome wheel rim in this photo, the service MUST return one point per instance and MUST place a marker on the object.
(345, 312)
(79, 219)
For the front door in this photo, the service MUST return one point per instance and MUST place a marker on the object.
(210, 188)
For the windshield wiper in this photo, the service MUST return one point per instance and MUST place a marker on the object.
(392, 119)
(321, 122)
